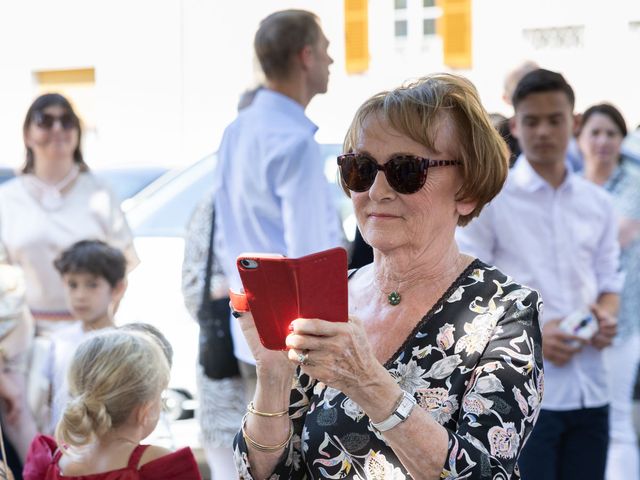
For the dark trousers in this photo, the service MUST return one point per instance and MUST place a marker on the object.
(12, 460)
(567, 445)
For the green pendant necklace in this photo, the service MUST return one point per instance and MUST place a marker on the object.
(394, 298)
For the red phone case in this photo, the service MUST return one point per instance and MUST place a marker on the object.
(281, 289)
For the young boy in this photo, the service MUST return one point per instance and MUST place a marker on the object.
(93, 274)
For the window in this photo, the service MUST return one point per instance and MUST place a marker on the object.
(428, 3)
(400, 4)
(429, 27)
(401, 29)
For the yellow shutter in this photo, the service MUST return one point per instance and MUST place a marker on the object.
(356, 27)
(454, 26)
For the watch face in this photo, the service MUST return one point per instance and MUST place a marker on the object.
(405, 407)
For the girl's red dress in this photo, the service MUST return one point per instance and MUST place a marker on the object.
(44, 454)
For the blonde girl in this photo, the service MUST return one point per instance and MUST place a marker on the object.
(116, 380)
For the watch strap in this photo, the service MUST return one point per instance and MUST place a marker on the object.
(403, 409)
(239, 301)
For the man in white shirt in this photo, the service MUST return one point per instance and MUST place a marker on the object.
(271, 194)
(556, 232)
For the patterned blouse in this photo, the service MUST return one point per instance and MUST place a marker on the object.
(474, 362)
(624, 185)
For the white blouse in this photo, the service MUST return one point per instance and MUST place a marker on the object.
(33, 234)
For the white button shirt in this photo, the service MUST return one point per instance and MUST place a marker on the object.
(271, 195)
(562, 242)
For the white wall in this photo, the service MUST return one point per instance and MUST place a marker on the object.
(605, 69)
(169, 72)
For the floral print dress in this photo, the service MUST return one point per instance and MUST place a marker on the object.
(474, 362)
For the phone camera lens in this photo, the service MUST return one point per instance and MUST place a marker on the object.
(248, 263)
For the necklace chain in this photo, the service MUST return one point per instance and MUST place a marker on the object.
(394, 298)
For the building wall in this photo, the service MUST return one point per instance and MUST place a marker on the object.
(168, 73)
(599, 68)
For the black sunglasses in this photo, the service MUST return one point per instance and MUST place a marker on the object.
(46, 120)
(405, 173)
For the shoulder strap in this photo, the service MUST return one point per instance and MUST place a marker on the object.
(207, 276)
(136, 455)
(57, 455)
(352, 272)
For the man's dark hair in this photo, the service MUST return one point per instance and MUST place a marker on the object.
(281, 36)
(541, 81)
(94, 257)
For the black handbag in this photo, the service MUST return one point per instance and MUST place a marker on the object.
(216, 345)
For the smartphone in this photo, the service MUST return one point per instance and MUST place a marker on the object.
(281, 289)
(580, 323)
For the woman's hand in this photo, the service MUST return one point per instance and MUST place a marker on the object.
(272, 362)
(335, 353)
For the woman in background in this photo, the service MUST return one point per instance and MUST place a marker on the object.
(53, 204)
(600, 137)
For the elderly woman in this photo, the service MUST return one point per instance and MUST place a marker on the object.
(438, 373)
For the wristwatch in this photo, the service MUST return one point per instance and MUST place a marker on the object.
(403, 409)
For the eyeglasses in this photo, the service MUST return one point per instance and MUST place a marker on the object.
(405, 173)
(46, 120)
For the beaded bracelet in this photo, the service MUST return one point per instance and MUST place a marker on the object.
(264, 448)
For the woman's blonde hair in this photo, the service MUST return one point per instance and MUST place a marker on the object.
(111, 374)
(416, 110)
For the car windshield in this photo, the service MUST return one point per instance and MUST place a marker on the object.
(163, 209)
(126, 182)
(6, 174)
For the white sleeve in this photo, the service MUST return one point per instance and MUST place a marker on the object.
(478, 238)
(311, 221)
(607, 259)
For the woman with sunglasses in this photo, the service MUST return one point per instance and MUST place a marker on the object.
(438, 373)
(53, 204)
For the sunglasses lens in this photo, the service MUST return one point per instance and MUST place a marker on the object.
(46, 121)
(358, 172)
(67, 121)
(406, 174)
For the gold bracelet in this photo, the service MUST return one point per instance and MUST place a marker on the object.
(253, 410)
(264, 448)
